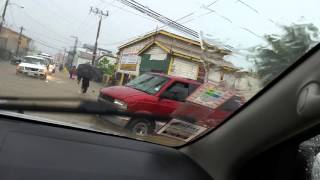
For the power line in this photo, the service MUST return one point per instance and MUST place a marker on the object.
(166, 20)
(250, 31)
(231, 22)
(60, 9)
(131, 38)
(54, 13)
(222, 16)
(12, 17)
(156, 16)
(162, 27)
(188, 15)
(111, 4)
(174, 22)
(82, 23)
(91, 26)
(161, 18)
(44, 26)
(86, 18)
(128, 11)
(250, 7)
(256, 11)
(210, 4)
(49, 37)
(46, 45)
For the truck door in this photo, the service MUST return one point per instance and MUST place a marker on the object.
(172, 97)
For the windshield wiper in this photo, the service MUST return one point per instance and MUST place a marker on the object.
(68, 105)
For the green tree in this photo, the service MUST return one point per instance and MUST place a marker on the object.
(283, 50)
(106, 67)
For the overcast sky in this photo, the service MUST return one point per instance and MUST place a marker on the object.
(240, 24)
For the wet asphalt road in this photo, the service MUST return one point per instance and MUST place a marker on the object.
(59, 85)
(56, 85)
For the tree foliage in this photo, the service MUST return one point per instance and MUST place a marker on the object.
(283, 50)
(106, 67)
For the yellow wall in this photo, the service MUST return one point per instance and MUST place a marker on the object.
(13, 37)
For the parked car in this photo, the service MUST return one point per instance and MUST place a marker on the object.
(151, 93)
(33, 66)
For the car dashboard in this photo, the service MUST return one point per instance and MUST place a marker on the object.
(40, 150)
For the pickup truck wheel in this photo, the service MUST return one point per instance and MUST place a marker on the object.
(141, 127)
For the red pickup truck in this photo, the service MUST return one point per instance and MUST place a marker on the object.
(150, 93)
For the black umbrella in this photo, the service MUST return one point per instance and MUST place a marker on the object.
(85, 71)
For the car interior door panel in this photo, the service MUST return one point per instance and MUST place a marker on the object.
(44, 151)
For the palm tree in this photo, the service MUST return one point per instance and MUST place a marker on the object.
(283, 50)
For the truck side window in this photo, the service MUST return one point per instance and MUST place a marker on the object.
(178, 92)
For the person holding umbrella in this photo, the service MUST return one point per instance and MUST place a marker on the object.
(85, 84)
(85, 73)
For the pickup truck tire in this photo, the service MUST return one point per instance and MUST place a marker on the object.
(141, 127)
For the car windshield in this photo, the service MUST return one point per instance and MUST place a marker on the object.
(161, 71)
(148, 83)
(36, 61)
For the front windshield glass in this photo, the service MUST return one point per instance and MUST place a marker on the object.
(148, 83)
(184, 66)
(34, 61)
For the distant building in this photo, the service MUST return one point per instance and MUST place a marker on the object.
(84, 55)
(112, 58)
(9, 42)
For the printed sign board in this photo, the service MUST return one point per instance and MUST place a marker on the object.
(181, 130)
(129, 62)
(129, 57)
(210, 95)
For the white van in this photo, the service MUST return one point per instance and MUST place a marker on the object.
(51, 64)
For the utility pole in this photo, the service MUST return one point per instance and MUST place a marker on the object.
(74, 48)
(19, 40)
(4, 14)
(101, 14)
(64, 55)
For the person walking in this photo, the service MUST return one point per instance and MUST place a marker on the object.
(85, 84)
(85, 73)
(72, 72)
